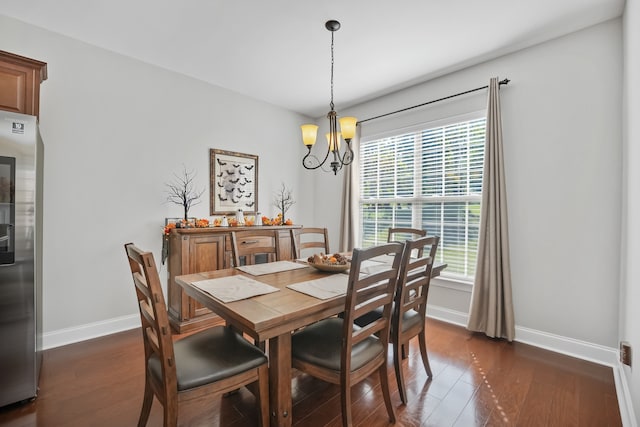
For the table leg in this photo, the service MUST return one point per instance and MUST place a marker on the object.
(280, 380)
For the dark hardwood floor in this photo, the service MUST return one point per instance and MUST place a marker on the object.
(477, 382)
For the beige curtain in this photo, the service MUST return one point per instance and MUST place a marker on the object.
(350, 197)
(491, 308)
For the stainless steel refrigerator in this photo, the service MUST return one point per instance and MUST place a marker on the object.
(21, 167)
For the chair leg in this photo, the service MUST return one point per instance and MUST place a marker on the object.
(346, 404)
(147, 401)
(423, 351)
(170, 410)
(386, 392)
(263, 395)
(170, 416)
(397, 364)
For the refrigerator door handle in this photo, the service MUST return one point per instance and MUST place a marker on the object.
(7, 236)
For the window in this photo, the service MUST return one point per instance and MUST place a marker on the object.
(429, 177)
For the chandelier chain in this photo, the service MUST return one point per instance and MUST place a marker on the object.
(331, 104)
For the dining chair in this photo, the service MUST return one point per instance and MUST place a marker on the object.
(217, 360)
(400, 234)
(247, 244)
(338, 351)
(309, 238)
(410, 305)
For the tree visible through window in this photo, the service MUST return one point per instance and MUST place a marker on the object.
(429, 178)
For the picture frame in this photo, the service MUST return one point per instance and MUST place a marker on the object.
(233, 182)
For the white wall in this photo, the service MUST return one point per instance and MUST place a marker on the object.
(115, 131)
(562, 135)
(630, 283)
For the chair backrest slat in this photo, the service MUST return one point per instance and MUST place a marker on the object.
(401, 234)
(156, 330)
(414, 278)
(152, 339)
(307, 238)
(147, 311)
(249, 243)
(141, 284)
(369, 292)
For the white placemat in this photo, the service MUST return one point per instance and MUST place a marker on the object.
(270, 267)
(327, 287)
(373, 265)
(234, 288)
(387, 259)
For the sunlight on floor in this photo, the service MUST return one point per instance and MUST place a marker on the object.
(487, 384)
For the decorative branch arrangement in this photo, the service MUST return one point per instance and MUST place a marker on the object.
(182, 191)
(283, 200)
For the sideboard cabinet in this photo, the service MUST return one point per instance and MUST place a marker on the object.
(20, 80)
(193, 250)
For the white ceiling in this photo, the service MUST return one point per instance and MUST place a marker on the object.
(279, 50)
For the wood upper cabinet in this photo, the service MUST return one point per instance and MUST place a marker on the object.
(20, 80)
(193, 250)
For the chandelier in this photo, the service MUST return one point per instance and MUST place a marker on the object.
(347, 130)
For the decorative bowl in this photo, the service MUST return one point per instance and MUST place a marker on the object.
(332, 268)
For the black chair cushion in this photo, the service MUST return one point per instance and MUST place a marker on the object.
(409, 319)
(209, 356)
(369, 317)
(321, 344)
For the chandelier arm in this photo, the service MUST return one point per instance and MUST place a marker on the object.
(313, 156)
(347, 157)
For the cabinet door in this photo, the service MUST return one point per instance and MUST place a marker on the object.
(20, 80)
(206, 253)
(286, 251)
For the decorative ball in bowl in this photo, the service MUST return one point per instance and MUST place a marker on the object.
(332, 263)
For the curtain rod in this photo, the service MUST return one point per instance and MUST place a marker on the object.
(501, 82)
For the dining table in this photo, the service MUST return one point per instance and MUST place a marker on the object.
(274, 306)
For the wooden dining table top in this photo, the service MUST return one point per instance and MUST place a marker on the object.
(266, 316)
(272, 317)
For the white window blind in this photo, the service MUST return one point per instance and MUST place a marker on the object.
(428, 178)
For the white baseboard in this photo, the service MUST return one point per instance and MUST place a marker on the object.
(447, 315)
(571, 347)
(624, 397)
(581, 349)
(91, 330)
